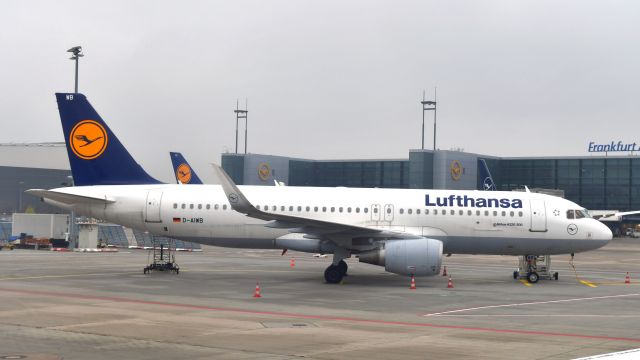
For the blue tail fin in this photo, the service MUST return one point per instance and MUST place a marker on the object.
(485, 177)
(96, 155)
(183, 171)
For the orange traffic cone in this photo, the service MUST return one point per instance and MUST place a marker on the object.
(256, 294)
(413, 283)
(450, 283)
(293, 263)
(444, 272)
(627, 279)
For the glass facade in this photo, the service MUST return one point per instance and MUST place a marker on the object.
(595, 183)
(382, 174)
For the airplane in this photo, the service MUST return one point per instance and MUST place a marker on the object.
(183, 171)
(406, 231)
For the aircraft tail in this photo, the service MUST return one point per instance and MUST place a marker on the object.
(485, 176)
(182, 170)
(95, 154)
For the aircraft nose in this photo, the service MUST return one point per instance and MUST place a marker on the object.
(602, 233)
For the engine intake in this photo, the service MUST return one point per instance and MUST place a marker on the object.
(419, 257)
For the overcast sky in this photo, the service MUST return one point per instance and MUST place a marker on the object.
(327, 79)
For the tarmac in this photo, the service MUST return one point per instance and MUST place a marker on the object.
(65, 305)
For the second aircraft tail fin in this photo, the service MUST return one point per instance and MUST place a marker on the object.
(182, 170)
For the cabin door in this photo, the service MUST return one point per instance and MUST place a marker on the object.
(538, 215)
(152, 209)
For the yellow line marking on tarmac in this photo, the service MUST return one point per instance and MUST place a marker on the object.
(526, 283)
(589, 284)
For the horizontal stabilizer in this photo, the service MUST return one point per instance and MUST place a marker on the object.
(69, 199)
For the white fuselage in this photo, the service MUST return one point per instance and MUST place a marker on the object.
(471, 222)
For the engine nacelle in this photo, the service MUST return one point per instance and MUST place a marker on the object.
(419, 257)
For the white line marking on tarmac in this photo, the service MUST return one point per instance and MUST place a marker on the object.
(530, 303)
(544, 315)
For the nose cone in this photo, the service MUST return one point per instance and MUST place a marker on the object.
(601, 234)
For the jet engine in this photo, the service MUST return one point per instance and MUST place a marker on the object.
(419, 257)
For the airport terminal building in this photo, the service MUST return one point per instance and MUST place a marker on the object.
(595, 182)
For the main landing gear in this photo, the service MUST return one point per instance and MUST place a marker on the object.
(338, 269)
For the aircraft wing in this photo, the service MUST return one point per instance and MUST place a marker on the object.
(618, 214)
(69, 199)
(312, 227)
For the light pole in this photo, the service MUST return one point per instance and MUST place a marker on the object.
(426, 106)
(76, 51)
(241, 114)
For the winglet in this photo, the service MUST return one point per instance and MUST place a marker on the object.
(236, 198)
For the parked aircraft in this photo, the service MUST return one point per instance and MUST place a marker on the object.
(405, 230)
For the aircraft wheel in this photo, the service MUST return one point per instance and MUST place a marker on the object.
(533, 277)
(343, 267)
(516, 274)
(333, 274)
(555, 276)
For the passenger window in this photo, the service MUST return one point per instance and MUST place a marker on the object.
(453, 212)
(435, 211)
(348, 209)
(461, 212)
(274, 208)
(307, 209)
(208, 206)
(366, 210)
(282, 208)
(315, 209)
(375, 210)
(504, 213)
(426, 211)
(511, 214)
(486, 213)
(190, 206)
(418, 211)
(299, 208)
(340, 209)
(175, 206)
(290, 208)
(216, 207)
(224, 207)
(258, 207)
(401, 211)
(266, 208)
(324, 209)
(495, 213)
(183, 206)
(477, 212)
(333, 209)
(520, 213)
(199, 206)
(409, 211)
(358, 210)
(469, 212)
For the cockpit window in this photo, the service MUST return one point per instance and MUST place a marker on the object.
(581, 214)
(577, 214)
